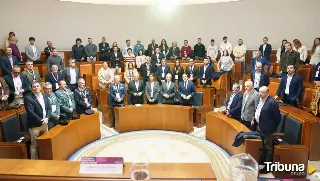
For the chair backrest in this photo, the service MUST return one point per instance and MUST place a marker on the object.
(292, 131)
(23, 122)
(280, 128)
(273, 87)
(97, 67)
(85, 69)
(307, 97)
(305, 73)
(10, 129)
(197, 99)
(95, 82)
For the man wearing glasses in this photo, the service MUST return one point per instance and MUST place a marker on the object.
(18, 87)
(31, 74)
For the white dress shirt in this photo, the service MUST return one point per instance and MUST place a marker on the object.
(43, 105)
(289, 78)
(230, 100)
(258, 110)
(151, 91)
(263, 48)
(257, 77)
(73, 76)
(17, 84)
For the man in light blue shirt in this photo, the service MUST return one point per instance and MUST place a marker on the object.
(137, 48)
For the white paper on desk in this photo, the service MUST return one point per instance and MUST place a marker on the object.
(138, 105)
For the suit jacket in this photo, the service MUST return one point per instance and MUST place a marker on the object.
(171, 91)
(9, 81)
(152, 49)
(270, 117)
(249, 105)
(159, 72)
(63, 100)
(34, 110)
(47, 51)
(30, 54)
(236, 106)
(143, 70)
(6, 65)
(54, 102)
(115, 60)
(267, 51)
(67, 77)
(264, 79)
(132, 89)
(80, 97)
(31, 77)
(263, 61)
(177, 72)
(78, 52)
(154, 59)
(190, 90)
(194, 72)
(113, 93)
(295, 88)
(49, 78)
(208, 74)
(155, 90)
(103, 49)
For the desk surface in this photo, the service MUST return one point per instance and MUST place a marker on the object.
(14, 169)
(154, 117)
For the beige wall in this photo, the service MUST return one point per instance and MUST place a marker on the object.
(63, 22)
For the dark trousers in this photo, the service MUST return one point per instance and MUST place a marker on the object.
(73, 87)
(51, 124)
(155, 101)
(266, 153)
(78, 60)
(104, 58)
(247, 124)
(286, 99)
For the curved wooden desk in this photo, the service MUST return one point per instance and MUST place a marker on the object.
(62, 141)
(222, 131)
(154, 117)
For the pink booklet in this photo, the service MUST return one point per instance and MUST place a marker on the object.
(101, 165)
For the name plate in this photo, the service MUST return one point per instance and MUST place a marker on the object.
(101, 165)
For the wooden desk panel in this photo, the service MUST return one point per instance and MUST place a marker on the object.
(62, 141)
(222, 131)
(41, 170)
(154, 117)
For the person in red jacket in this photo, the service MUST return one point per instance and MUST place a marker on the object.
(185, 51)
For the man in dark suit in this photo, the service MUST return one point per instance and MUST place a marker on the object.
(265, 49)
(48, 50)
(168, 90)
(152, 47)
(162, 71)
(259, 77)
(234, 103)
(54, 77)
(186, 90)
(136, 88)
(71, 75)
(7, 62)
(192, 71)
(146, 69)
(206, 74)
(117, 92)
(104, 49)
(291, 86)
(38, 112)
(157, 57)
(18, 87)
(266, 120)
(82, 97)
(115, 59)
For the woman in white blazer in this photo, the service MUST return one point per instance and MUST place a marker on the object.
(281, 50)
(297, 46)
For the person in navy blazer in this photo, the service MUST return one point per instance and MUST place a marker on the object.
(54, 77)
(266, 120)
(162, 71)
(234, 103)
(206, 73)
(292, 95)
(263, 60)
(265, 49)
(10, 83)
(186, 90)
(264, 79)
(6, 64)
(117, 92)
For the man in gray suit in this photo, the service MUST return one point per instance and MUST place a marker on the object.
(71, 75)
(248, 104)
(168, 90)
(33, 51)
(31, 74)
